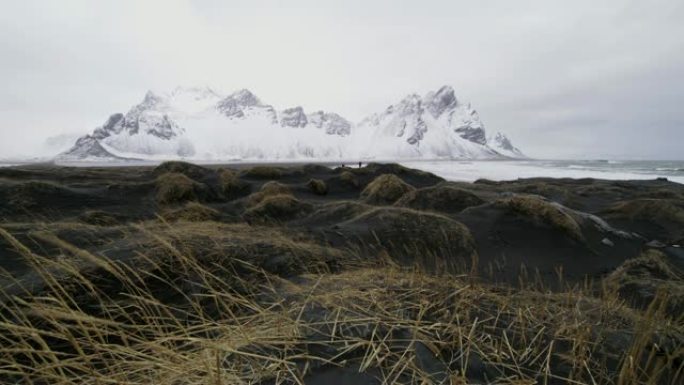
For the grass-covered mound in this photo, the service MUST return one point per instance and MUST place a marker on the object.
(385, 190)
(317, 186)
(650, 281)
(277, 208)
(191, 211)
(231, 185)
(174, 187)
(268, 189)
(336, 212)
(441, 198)
(412, 237)
(542, 213)
(657, 218)
(349, 178)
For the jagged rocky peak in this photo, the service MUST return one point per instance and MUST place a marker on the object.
(245, 97)
(442, 100)
(462, 118)
(234, 104)
(87, 147)
(333, 123)
(502, 143)
(293, 117)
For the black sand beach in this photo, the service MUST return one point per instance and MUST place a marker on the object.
(309, 274)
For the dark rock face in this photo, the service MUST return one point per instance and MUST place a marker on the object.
(113, 125)
(472, 134)
(418, 132)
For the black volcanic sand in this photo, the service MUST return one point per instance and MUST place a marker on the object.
(553, 234)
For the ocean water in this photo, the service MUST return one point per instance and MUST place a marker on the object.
(470, 171)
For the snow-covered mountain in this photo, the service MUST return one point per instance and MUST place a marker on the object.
(202, 124)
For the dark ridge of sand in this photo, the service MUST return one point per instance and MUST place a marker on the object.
(290, 221)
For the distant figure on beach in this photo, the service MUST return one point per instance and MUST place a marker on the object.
(359, 164)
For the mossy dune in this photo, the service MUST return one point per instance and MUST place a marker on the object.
(543, 213)
(385, 190)
(441, 198)
(317, 186)
(277, 208)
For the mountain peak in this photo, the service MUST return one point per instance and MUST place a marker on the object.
(503, 145)
(441, 100)
(245, 97)
(234, 104)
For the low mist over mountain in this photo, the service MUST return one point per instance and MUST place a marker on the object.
(202, 124)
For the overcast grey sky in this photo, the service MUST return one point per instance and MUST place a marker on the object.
(563, 78)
